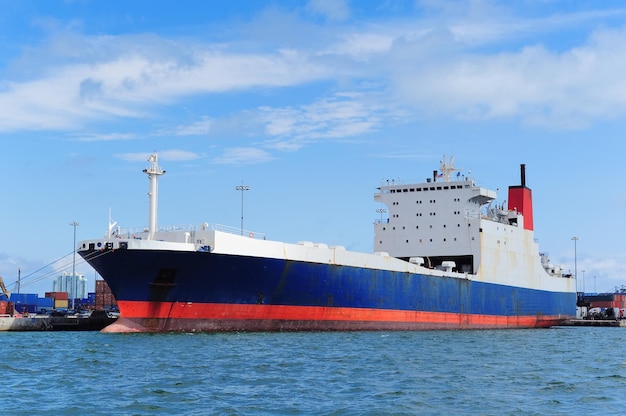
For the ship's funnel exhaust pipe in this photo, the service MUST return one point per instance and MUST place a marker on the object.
(521, 199)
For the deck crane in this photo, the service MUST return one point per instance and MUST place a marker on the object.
(4, 288)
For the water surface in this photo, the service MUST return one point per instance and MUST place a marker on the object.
(557, 371)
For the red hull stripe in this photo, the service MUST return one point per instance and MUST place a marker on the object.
(137, 310)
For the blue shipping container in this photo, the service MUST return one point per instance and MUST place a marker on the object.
(47, 303)
(25, 307)
(27, 298)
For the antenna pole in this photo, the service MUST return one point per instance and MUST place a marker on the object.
(74, 283)
(153, 173)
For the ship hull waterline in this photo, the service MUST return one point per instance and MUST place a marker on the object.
(257, 318)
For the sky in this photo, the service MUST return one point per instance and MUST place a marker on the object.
(312, 104)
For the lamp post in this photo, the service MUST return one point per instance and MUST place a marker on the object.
(242, 188)
(575, 239)
(583, 271)
(74, 224)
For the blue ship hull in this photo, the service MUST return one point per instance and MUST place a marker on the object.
(198, 291)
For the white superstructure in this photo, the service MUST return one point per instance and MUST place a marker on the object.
(449, 222)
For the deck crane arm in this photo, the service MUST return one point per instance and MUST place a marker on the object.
(3, 288)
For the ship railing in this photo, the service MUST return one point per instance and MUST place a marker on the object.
(138, 232)
(134, 232)
(235, 230)
(387, 183)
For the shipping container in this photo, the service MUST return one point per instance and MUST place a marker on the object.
(47, 303)
(104, 298)
(105, 301)
(61, 303)
(89, 301)
(26, 298)
(25, 308)
(102, 287)
(57, 295)
(602, 304)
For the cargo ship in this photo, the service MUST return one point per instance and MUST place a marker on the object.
(446, 256)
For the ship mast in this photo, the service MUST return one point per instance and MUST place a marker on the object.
(153, 173)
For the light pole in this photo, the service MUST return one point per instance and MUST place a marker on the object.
(242, 188)
(583, 281)
(575, 239)
(74, 224)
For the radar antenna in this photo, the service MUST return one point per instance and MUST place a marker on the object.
(447, 167)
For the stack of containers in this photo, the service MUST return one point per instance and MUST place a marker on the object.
(104, 296)
(24, 302)
(60, 299)
(45, 304)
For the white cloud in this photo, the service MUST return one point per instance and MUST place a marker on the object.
(178, 155)
(608, 271)
(563, 90)
(174, 155)
(106, 137)
(361, 45)
(243, 156)
(197, 128)
(335, 10)
(429, 66)
(342, 116)
(130, 84)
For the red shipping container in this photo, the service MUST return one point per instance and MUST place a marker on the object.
(57, 295)
(602, 304)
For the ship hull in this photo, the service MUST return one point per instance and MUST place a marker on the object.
(162, 291)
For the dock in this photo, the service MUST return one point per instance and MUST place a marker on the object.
(596, 322)
(94, 321)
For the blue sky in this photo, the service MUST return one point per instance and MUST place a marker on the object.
(311, 104)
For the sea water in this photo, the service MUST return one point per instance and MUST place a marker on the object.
(556, 371)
